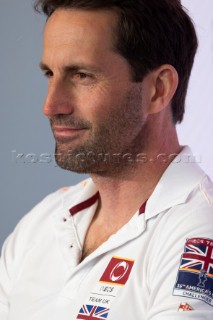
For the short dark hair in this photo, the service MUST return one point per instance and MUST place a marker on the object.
(149, 33)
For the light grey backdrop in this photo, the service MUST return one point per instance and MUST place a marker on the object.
(25, 175)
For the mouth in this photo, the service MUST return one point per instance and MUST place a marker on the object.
(66, 133)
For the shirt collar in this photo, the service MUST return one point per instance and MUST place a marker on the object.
(179, 179)
(176, 183)
(85, 195)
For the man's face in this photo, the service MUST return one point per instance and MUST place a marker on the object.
(95, 109)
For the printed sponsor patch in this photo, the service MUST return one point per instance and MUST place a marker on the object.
(114, 278)
(195, 275)
(117, 271)
(91, 312)
(185, 307)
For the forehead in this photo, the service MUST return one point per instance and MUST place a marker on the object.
(80, 27)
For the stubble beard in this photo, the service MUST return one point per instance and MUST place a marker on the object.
(110, 145)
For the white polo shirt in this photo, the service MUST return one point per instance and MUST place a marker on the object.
(159, 266)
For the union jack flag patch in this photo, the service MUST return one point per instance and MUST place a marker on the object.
(90, 312)
(195, 275)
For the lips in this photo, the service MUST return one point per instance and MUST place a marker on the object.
(61, 132)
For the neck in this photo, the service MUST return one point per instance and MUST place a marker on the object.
(123, 193)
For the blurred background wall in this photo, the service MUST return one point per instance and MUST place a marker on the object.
(25, 135)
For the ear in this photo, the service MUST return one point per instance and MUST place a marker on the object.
(160, 87)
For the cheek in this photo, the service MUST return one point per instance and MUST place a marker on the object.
(96, 103)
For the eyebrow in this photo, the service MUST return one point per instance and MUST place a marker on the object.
(73, 68)
(43, 66)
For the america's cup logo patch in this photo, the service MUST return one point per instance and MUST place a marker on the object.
(195, 274)
(117, 271)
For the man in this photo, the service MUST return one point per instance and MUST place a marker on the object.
(135, 240)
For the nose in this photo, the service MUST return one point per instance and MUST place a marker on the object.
(58, 100)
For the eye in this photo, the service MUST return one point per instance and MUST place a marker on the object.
(48, 73)
(81, 75)
(83, 78)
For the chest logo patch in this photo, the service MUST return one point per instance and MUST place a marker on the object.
(117, 271)
(91, 312)
(100, 299)
(195, 274)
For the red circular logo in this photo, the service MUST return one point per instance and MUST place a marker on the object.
(119, 271)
